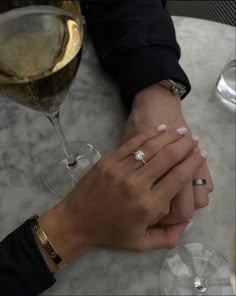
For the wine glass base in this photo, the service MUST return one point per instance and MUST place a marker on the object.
(195, 269)
(61, 178)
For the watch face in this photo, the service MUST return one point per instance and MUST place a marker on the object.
(177, 88)
(177, 84)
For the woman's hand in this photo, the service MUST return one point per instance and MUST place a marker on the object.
(114, 204)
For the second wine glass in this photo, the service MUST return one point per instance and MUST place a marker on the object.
(195, 269)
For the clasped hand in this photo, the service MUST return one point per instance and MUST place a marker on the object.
(118, 200)
(153, 106)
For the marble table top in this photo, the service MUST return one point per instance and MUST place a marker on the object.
(93, 112)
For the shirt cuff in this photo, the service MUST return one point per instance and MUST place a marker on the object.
(22, 265)
(146, 66)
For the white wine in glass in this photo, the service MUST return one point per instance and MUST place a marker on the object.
(40, 52)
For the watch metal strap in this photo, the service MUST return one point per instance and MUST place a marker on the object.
(175, 88)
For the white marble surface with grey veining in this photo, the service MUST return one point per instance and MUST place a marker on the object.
(93, 112)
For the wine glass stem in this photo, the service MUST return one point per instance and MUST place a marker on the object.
(55, 121)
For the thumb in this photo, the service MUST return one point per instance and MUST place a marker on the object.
(156, 238)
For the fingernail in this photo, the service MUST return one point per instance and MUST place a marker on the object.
(182, 130)
(195, 138)
(190, 224)
(161, 128)
(204, 154)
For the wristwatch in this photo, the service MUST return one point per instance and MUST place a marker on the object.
(175, 88)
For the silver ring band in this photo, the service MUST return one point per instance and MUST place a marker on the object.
(197, 182)
(139, 155)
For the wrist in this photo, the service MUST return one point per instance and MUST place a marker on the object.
(51, 265)
(157, 105)
(156, 92)
(60, 231)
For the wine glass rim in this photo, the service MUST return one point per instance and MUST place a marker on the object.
(30, 9)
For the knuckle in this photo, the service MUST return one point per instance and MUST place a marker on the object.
(127, 182)
(101, 166)
(181, 175)
(129, 186)
(171, 244)
(183, 212)
(210, 188)
(202, 203)
(152, 148)
(172, 153)
(139, 248)
(190, 142)
(111, 172)
(165, 211)
(144, 209)
(187, 215)
(198, 161)
(106, 169)
(205, 202)
(132, 144)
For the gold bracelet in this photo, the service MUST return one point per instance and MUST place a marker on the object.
(41, 235)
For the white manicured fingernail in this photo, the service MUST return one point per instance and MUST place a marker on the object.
(182, 130)
(190, 224)
(195, 138)
(161, 128)
(204, 154)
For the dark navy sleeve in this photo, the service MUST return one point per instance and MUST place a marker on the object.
(23, 271)
(136, 43)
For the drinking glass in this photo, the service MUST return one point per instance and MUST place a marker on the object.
(226, 84)
(40, 51)
(195, 269)
(233, 264)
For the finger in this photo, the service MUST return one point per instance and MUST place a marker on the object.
(201, 198)
(154, 146)
(178, 177)
(182, 207)
(167, 158)
(157, 238)
(164, 211)
(210, 185)
(136, 142)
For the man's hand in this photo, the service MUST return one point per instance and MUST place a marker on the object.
(153, 106)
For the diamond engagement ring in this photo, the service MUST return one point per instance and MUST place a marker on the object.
(197, 182)
(139, 155)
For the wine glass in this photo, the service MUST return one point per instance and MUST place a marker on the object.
(233, 264)
(195, 269)
(41, 45)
